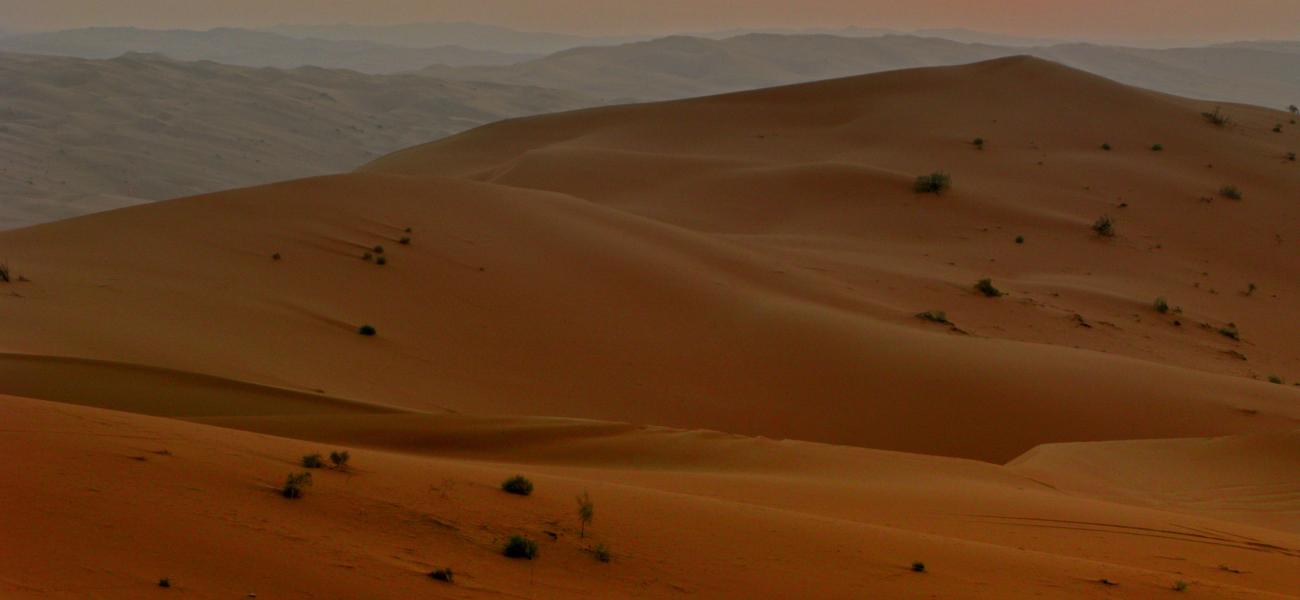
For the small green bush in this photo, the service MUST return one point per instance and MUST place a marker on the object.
(985, 286)
(381, 261)
(979, 143)
(1020, 239)
(294, 484)
(1230, 331)
(378, 249)
(165, 582)
(405, 241)
(518, 484)
(1277, 128)
(340, 458)
(934, 316)
(366, 330)
(1290, 156)
(443, 574)
(407, 230)
(934, 183)
(586, 512)
(1180, 586)
(520, 547)
(1230, 191)
(1217, 117)
(601, 553)
(1161, 305)
(312, 461)
(1275, 379)
(1157, 147)
(918, 567)
(275, 256)
(1106, 146)
(1104, 226)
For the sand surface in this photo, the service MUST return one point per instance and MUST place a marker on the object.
(703, 313)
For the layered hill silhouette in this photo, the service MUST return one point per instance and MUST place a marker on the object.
(1264, 73)
(704, 313)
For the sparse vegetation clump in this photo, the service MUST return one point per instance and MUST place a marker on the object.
(1217, 117)
(1230, 331)
(4, 272)
(443, 574)
(367, 256)
(978, 143)
(1157, 147)
(1294, 109)
(1231, 192)
(367, 330)
(405, 241)
(586, 512)
(1277, 128)
(1180, 586)
(985, 286)
(312, 461)
(518, 484)
(934, 183)
(1104, 226)
(1020, 239)
(340, 458)
(378, 249)
(165, 582)
(520, 547)
(601, 553)
(1106, 146)
(381, 260)
(294, 484)
(1275, 379)
(934, 316)
(1290, 156)
(1161, 305)
(275, 256)
(918, 567)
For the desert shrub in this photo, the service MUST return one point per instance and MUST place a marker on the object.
(1104, 226)
(1277, 128)
(443, 574)
(520, 547)
(1020, 239)
(294, 484)
(601, 553)
(275, 256)
(1275, 379)
(586, 512)
(312, 461)
(934, 183)
(4, 272)
(1230, 331)
(1161, 305)
(985, 286)
(1290, 156)
(1250, 289)
(366, 330)
(979, 143)
(1217, 117)
(1294, 110)
(1157, 147)
(367, 256)
(381, 261)
(934, 316)
(378, 249)
(405, 241)
(1180, 586)
(1106, 146)
(165, 582)
(918, 567)
(518, 485)
(407, 230)
(340, 458)
(1230, 191)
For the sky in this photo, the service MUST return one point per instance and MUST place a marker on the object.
(1102, 20)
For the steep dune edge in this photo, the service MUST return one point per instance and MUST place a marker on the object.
(198, 505)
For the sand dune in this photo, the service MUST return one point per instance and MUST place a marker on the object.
(81, 136)
(704, 313)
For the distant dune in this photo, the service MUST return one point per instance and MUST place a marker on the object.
(250, 48)
(85, 135)
(1266, 74)
(704, 314)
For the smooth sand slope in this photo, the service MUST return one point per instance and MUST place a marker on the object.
(591, 297)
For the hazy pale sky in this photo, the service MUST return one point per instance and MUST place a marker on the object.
(1096, 19)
